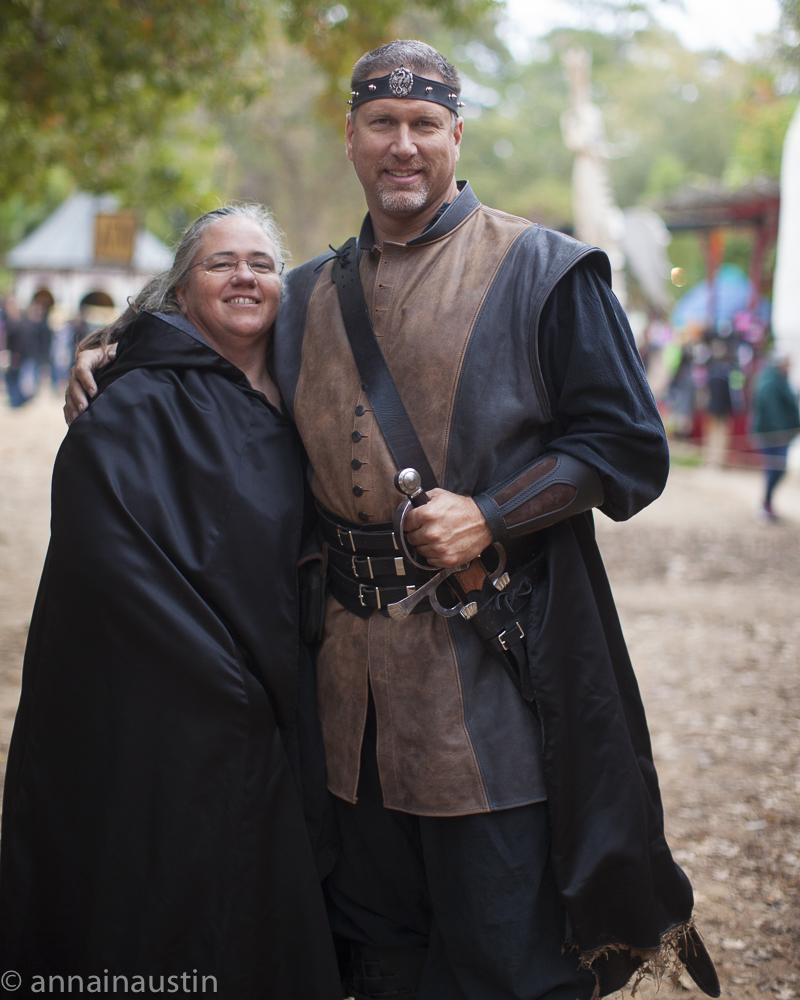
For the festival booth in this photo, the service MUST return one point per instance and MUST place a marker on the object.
(89, 256)
(711, 347)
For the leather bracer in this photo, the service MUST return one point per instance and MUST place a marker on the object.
(548, 490)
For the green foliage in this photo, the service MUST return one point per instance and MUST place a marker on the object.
(19, 215)
(513, 152)
(738, 250)
(336, 35)
(285, 155)
(791, 11)
(667, 172)
(761, 118)
(119, 93)
(670, 108)
(82, 84)
(667, 112)
(684, 251)
(176, 104)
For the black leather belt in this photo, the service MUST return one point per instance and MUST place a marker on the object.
(351, 539)
(367, 597)
(366, 567)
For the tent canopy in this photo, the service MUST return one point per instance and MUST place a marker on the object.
(732, 292)
(65, 240)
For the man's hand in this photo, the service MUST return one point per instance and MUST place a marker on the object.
(82, 386)
(448, 531)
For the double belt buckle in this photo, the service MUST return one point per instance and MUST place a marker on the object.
(356, 574)
(505, 643)
(377, 592)
(348, 535)
(399, 566)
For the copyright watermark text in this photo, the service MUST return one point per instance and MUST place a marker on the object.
(183, 982)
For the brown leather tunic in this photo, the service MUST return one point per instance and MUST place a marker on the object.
(423, 320)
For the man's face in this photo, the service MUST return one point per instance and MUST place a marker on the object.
(404, 152)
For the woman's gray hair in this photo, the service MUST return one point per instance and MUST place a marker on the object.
(159, 295)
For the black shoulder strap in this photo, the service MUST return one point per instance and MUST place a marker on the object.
(391, 414)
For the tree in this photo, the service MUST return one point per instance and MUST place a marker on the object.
(337, 35)
(118, 91)
(762, 118)
(81, 84)
(790, 16)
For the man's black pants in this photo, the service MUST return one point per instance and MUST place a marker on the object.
(469, 900)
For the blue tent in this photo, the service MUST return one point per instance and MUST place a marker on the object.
(732, 292)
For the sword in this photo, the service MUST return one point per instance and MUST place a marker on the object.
(409, 482)
(402, 609)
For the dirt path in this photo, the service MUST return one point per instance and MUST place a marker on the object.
(29, 440)
(710, 603)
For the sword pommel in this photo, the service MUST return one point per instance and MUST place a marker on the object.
(409, 483)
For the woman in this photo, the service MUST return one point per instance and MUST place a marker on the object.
(152, 827)
(776, 421)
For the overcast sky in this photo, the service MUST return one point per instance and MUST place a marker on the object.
(731, 25)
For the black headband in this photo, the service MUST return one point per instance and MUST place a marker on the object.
(401, 82)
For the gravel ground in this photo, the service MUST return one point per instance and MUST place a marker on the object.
(709, 601)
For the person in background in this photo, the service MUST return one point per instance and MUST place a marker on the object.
(776, 420)
(719, 408)
(3, 322)
(681, 396)
(38, 312)
(64, 343)
(22, 342)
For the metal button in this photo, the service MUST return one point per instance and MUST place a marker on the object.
(356, 464)
(356, 436)
(360, 411)
(363, 516)
(358, 491)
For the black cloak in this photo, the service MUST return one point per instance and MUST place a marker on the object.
(152, 822)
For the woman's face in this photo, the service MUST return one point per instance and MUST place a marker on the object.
(240, 305)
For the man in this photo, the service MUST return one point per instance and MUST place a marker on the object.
(499, 812)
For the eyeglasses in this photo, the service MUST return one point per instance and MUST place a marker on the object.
(221, 264)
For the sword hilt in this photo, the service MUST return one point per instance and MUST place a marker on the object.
(409, 483)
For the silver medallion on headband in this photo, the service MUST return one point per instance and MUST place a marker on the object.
(401, 81)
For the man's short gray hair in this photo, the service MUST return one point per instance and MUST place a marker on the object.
(159, 294)
(419, 57)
